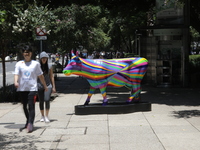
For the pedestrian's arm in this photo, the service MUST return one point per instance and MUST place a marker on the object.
(16, 77)
(52, 80)
(41, 77)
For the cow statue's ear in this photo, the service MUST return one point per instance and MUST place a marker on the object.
(72, 53)
(77, 53)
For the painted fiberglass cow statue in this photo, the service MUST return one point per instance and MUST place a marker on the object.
(101, 73)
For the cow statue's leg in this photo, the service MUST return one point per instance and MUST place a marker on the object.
(90, 93)
(135, 94)
(103, 92)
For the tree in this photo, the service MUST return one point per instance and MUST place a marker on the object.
(195, 39)
(125, 17)
(92, 27)
(80, 26)
(6, 21)
(30, 18)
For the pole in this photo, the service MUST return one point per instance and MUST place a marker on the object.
(40, 46)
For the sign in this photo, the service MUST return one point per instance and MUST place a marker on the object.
(41, 37)
(41, 32)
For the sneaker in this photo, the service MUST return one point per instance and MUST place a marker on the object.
(29, 128)
(42, 119)
(47, 120)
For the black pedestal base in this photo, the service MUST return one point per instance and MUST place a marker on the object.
(112, 108)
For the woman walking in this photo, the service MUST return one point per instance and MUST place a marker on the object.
(44, 97)
(26, 74)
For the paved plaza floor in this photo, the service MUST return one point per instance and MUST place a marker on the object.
(172, 124)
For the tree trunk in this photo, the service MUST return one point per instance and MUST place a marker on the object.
(3, 50)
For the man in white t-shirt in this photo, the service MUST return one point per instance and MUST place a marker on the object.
(25, 80)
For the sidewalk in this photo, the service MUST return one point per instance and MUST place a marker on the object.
(173, 123)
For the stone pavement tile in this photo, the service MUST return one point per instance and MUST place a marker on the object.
(61, 123)
(25, 141)
(95, 123)
(13, 117)
(8, 127)
(195, 122)
(136, 146)
(132, 122)
(83, 139)
(96, 130)
(17, 142)
(70, 100)
(129, 141)
(43, 145)
(18, 109)
(61, 113)
(67, 131)
(185, 108)
(37, 131)
(179, 129)
(3, 112)
(89, 117)
(83, 146)
(7, 107)
(10, 106)
(160, 109)
(136, 129)
(165, 119)
(181, 141)
(191, 114)
(128, 116)
(83, 98)
(46, 142)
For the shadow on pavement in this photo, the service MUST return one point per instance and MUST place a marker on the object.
(13, 141)
(186, 113)
(168, 96)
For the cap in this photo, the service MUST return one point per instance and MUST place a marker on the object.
(44, 54)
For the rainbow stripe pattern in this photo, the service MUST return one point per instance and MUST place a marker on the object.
(101, 73)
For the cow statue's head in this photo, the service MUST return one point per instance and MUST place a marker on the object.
(74, 66)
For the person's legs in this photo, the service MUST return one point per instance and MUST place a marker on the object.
(47, 106)
(24, 100)
(27, 98)
(31, 105)
(47, 96)
(41, 104)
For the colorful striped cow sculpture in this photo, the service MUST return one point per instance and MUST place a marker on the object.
(101, 73)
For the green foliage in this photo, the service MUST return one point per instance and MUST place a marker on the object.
(94, 25)
(27, 20)
(127, 55)
(194, 33)
(64, 29)
(194, 64)
(80, 25)
(4, 24)
(2, 16)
